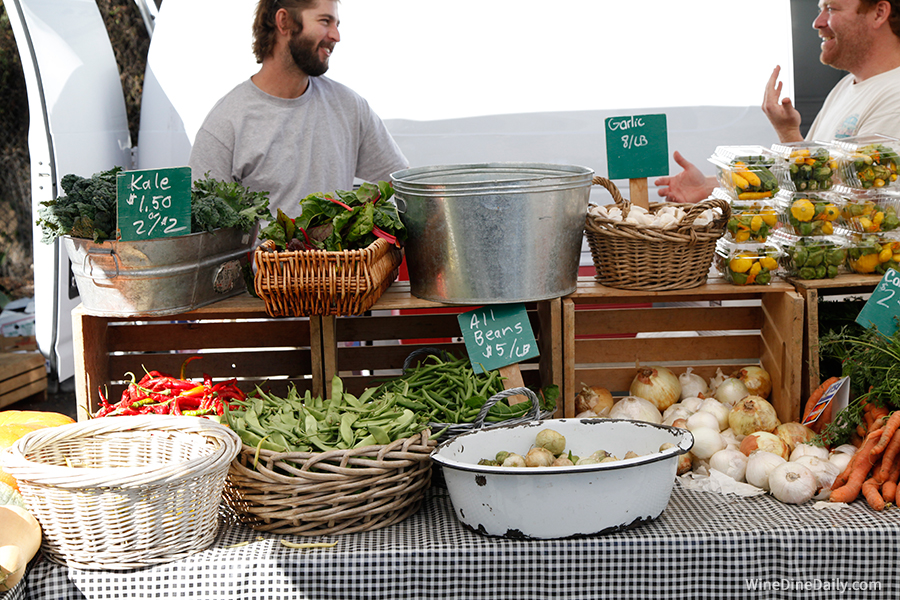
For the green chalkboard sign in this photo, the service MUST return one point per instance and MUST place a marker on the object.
(497, 336)
(637, 147)
(153, 203)
(882, 309)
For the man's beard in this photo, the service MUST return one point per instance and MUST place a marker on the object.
(306, 56)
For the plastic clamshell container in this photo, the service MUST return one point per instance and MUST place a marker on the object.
(869, 211)
(747, 263)
(748, 172)
(868, 161)
(561, 502)
(873, 253)
(810, 213)
(812, 257)
(751, 220)
(809, 166)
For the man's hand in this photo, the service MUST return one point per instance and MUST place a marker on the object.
(784, 117)
(689, 186)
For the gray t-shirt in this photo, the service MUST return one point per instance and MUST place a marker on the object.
(294, 147)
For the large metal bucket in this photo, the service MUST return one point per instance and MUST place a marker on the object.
(493, 233)
(165, 276)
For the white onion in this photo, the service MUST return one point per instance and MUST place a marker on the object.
(792, 483)
(707, 441)
(765, 441)
(752, 414)
(692, 385)
(731, 391)
(809, 450)
(825, 472)
(846, 449)
(635, 409)
(715, 382)
(659, 385)
(757, 380)
(759, 465)
(677, 407)
(675, 416)
(703, 419)
(731, 462)
(731, 438)
(717, 409)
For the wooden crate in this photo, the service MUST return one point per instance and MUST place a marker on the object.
(609, 331)
(811, 290)
(367, 349)
(235, 338)
(22, 375)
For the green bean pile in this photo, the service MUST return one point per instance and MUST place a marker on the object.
(449, 391)
(310, 424)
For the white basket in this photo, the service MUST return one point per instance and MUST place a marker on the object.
(124, 492)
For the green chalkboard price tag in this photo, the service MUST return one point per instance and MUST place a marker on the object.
(497, 336)
(882, 309)
(153, 203)
(637, 147)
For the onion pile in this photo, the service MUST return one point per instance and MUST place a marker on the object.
(658, 385)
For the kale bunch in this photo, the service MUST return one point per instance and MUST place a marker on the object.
(216, 203)
(88, 210)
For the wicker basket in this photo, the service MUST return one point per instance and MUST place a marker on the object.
(321, 283)
(335, 492)
(124, 492)
(634, 257)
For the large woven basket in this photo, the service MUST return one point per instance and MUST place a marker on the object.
(635, 257)
(335, 492)
(124, 492)
(320, 283)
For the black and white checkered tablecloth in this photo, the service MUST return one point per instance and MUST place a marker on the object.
(704, 545)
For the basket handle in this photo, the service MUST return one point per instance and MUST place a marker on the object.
(614, 192)
(697, 209)
(535, 412)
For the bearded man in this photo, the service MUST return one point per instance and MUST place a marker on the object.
(858, 36)
(289, 130)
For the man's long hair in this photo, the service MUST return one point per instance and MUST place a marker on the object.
(264, 23)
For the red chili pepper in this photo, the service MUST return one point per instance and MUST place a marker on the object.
(185, 363)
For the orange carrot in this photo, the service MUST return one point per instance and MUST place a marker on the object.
(889, 458)
(872, 494)
(889, 487)
(811, 403)
(862, 464)
(890, 428)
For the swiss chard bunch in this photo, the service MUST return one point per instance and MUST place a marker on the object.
(340, 221)
(216, 204)
(88, 209)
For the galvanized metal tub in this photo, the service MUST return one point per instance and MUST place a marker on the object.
(165, 276)
(493, 233)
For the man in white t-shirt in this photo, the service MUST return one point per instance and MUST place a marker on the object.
(289, 130)
(859, 36)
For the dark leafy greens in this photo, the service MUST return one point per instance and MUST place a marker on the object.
(339, 221)
(88, 209)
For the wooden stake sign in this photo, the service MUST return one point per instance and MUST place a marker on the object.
(637, 147)
(499, 337)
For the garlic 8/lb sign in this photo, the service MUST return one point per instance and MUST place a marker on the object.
(637, 146)
(153, 203)
(497, 336)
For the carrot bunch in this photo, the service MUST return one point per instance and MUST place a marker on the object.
(875, 468)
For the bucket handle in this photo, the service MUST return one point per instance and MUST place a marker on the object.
(87, 256)
(534, 413)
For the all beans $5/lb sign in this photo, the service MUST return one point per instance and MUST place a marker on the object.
(882, 309)
(637, 147)
(497, 336)
(153, 203)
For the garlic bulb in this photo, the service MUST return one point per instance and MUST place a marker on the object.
(846, 449)
(759, 465)
(692, 385)
(731, 438)
(707, 441)
(635, 409)
(731, 462)
(718, 410)
(715, 382)
(824, 471)
(692, 404)
(809, 450)
(792, 483)
(840, 460)
(703, 419)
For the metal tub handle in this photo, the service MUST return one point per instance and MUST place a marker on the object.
(110, 252)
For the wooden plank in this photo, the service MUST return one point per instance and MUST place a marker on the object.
(37, 387)
(292, 362)
(782, 337)
(14, 363)
(589, 290)
(160, 337)
(647, 350)
(622, 321)
(22, 379)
